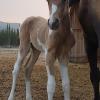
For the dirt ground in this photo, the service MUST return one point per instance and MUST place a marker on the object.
(81, 88)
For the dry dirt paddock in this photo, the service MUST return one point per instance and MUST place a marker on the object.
(81, 88)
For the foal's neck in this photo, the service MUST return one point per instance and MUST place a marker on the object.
(65, 24)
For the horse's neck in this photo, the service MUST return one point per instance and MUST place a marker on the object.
(95, 6)
(92, 6)
(84, 4)
(89, 3)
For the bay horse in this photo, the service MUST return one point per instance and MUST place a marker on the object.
(88, 12)
(55, 38)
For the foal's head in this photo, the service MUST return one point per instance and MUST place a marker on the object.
(58, 11)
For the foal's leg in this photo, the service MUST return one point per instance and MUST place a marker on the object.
(21, 55)
(65, 78)
(50, 59)
(31, 61)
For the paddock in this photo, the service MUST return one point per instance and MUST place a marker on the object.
(81, 88)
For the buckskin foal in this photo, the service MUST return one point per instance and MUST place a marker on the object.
(56, 41)
(89, 17)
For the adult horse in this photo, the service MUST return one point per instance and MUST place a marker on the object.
(56, 41)
(89, 17)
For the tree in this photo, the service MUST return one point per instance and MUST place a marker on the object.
(9, 37)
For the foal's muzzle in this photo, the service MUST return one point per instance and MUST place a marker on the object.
(53, 24)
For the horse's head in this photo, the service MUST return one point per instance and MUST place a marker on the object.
(58, 10)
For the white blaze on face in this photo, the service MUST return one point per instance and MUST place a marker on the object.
(53, 11)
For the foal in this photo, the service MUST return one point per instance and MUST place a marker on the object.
(56, 41)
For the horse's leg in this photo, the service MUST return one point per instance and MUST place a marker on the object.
(65, 78)
(94, 71)
(50, 59)
(91, 43)
(28, 70)
(21, 55)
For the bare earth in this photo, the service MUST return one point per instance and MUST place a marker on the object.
(81, 88)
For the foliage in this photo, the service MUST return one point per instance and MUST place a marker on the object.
(9, 37)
